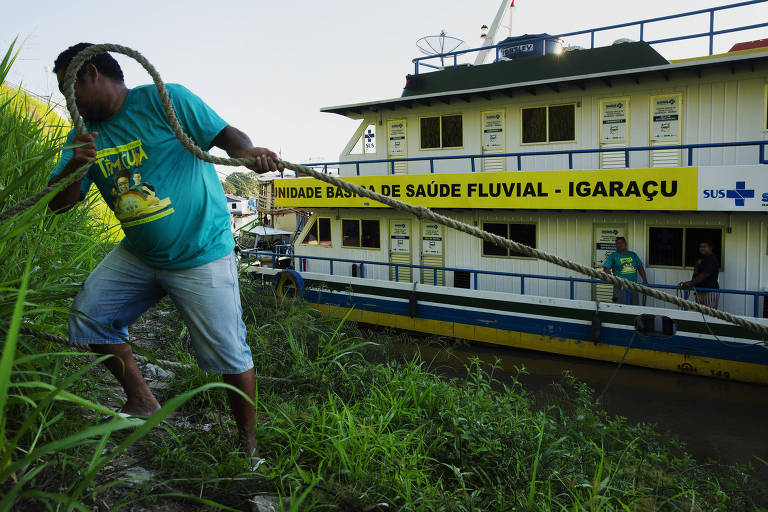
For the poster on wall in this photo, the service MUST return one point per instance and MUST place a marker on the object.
(432, 240)
(665, 117)
(369, 139)
(397, 145)
(493, 130)
(400, 239)
(614, 120)
(605, 242)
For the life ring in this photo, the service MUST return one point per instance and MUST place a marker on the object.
(289, 283)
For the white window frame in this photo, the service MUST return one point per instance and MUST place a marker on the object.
(685, 228)
(547, 106)
(440, 131)
(360, 225)
(316, 220)
(535, 224)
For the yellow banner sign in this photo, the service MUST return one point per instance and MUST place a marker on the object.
(673, 188)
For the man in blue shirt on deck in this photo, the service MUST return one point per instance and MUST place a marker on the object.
(625, 264)
(173, 212)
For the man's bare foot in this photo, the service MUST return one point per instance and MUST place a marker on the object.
(146, 407)
(249, 443)
(140, 400)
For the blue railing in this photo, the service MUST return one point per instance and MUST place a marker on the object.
(641, 25)
(476, 273)
(689, 148)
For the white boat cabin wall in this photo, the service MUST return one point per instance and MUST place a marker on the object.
(721, 106)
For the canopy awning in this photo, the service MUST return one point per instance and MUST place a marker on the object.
(265, 231)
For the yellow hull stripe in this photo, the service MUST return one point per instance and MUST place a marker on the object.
(680, 363)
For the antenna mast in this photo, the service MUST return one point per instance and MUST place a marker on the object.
(489, 38)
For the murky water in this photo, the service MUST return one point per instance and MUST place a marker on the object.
(718, 420)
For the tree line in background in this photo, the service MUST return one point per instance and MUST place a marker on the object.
(241, 184)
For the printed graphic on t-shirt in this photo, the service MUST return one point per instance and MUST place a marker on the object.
(136, 201)
(120, 158)
(627, 265)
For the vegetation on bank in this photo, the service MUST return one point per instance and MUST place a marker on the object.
(243, 184)
(340, 424)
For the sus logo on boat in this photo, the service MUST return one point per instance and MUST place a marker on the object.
(739, 194)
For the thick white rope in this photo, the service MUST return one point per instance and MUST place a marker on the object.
(420, 212)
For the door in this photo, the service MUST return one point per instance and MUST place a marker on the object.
(614, 131)
(604, 243)
(666, 129)
(494, 141)
(400, 250)
(432, 253)
(397, 144)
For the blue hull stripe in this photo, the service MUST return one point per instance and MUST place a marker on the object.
(550, 327)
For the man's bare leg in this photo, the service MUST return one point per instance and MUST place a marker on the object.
(242, 409)
(141, 401)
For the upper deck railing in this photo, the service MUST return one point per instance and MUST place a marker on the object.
(473, 158)
(641, 25)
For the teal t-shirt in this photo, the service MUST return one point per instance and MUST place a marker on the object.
(623, 265)
(170, 204)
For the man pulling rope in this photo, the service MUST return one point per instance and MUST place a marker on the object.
(176, 223)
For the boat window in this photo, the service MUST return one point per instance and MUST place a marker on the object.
(679, 247)
(562, 123)
(319, 233)
(521, 233)
(694, 236)
(370, 230)
(350, 233)
(490, 249)
(430, 132)
(361, 233)
(551, 123)
(665, 247)
(524, 234)
(534, 125)
(451, 131)
(442, 132)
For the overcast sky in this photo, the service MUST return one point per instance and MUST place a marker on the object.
(268, 67)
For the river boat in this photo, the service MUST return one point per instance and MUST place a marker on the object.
(561, 148)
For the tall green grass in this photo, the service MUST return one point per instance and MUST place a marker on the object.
(344, 427)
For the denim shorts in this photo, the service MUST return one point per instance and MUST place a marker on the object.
(122, 287)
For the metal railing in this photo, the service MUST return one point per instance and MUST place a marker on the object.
(522, 276)
(473, 158)
(640, 24)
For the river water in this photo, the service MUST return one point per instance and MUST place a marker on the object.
(723, 421)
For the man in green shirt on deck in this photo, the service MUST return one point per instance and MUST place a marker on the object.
(625, 264)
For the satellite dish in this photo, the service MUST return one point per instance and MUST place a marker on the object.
(439, 45)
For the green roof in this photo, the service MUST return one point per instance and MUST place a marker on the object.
(577, 68)
(571, 63)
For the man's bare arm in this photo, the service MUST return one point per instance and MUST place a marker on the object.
(81, 156)
(238, 145)
(641, 270)
(696, 280)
